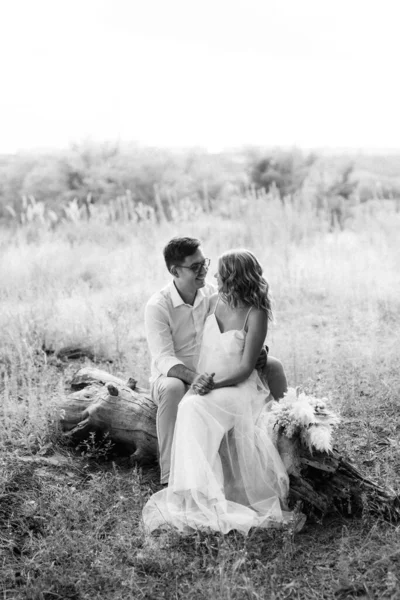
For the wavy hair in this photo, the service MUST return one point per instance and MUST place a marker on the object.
(242, 281)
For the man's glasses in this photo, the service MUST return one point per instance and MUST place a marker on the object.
(198, 267)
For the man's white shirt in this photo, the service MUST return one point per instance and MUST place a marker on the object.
(174, 329)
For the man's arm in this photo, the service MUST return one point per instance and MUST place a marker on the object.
(161, 345)
(183, 373)
(202, 381)
(159, 338)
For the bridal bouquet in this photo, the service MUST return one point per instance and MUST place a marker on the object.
(306, 417)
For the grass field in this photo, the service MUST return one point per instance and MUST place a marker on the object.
(70, 520)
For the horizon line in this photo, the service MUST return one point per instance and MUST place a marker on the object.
(212, 149)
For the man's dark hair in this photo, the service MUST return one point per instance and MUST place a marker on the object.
(178, 249)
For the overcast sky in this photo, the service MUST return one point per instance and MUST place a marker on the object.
(214, 73)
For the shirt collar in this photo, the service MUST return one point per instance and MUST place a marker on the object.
(177, 299)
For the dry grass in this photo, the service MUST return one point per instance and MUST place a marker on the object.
(72, 529)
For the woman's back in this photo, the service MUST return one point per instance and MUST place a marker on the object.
(229, 318)
(222, 345)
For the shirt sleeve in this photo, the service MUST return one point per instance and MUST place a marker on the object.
(159, 338)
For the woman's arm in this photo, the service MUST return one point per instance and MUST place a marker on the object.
(255, 338)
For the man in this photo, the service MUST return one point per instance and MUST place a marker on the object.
(174, 321)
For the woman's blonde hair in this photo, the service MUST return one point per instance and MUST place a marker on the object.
(242, 281)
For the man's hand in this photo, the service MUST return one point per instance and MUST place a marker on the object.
(203, 384)
(262, 360)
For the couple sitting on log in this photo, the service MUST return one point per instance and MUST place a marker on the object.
(220, 466)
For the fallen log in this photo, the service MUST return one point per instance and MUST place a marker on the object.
(330, 483)
(104, 403)
(324, 483)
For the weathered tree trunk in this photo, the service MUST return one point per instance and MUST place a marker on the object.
(329, 483)
(324, 483)
(104, 403)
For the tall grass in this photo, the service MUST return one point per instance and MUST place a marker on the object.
(85, 283)
(87, 280)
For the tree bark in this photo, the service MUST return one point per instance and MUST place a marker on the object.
(323, 483)
(106, 404)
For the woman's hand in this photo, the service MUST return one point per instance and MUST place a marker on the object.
(203, 384)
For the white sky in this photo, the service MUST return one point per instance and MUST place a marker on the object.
(215, 73)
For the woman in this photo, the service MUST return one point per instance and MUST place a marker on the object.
(226, 473)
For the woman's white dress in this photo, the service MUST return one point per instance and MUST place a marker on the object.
(225, 470)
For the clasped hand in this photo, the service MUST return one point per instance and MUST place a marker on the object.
(203, 384)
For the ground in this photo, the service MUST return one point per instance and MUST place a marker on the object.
(70, 518)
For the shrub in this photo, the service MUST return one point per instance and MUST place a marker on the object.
(285, 170)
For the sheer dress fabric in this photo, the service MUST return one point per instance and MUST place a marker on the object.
(225, 471)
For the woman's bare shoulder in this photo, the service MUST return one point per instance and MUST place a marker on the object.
(257, 317)
(213, 302)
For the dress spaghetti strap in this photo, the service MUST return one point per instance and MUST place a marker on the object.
(216, 304)
(247, 316)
